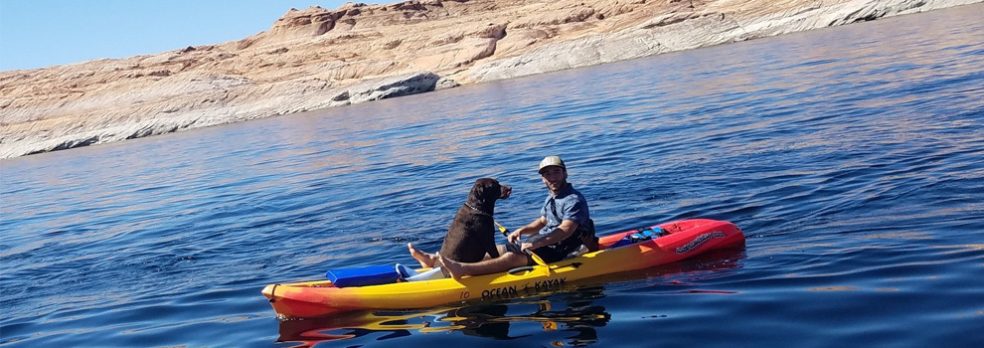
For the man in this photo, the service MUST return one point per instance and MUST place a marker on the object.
(563, 225)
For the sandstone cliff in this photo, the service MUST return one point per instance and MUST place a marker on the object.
(317, 58)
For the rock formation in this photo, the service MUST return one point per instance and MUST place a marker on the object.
(317, 58)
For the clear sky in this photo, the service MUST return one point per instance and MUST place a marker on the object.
(40, 33)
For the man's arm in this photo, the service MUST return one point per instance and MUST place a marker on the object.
(566, 228)
(530, 228)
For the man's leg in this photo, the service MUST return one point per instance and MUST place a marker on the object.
(504, 262)
(502, 251)
(425, 259)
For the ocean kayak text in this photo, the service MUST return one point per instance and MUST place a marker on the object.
(525, 289)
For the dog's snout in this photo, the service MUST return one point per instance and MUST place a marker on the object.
(504, 191)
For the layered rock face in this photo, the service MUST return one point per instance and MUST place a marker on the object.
(317, 58)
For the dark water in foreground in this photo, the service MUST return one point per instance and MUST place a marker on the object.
(852, 157)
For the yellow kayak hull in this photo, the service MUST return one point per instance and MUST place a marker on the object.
(685, 238)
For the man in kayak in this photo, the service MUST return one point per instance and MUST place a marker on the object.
(563, 226)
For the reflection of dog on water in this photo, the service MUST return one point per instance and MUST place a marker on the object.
(578, 315)
(491, 320)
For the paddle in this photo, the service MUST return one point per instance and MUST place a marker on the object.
(505, 231)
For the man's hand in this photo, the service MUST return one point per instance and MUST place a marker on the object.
(513, 236)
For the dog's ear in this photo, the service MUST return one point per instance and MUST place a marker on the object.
(487, 190)
(493, 190)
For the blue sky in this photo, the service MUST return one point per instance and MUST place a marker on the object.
(40, 33)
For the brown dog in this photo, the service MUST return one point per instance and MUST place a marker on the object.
(471, 235)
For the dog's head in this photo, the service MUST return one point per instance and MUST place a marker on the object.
(486, 191)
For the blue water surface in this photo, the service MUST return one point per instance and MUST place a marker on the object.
(853, 158)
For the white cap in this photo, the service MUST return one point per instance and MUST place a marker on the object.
(552, 161)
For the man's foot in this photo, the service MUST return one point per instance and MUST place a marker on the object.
(425, 259)
(452, 267)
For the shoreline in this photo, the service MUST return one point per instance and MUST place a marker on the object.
(317, 58)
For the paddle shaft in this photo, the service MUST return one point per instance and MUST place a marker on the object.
(505, 232)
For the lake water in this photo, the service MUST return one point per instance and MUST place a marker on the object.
(853, 158)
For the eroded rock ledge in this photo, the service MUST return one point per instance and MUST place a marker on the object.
(317, 58)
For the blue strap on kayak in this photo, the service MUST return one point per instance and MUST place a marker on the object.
(368, 275)
(643, 235)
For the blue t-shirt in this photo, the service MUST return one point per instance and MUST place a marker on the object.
(568, 204)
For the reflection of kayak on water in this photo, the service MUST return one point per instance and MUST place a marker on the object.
(481, 320)
(620, 252)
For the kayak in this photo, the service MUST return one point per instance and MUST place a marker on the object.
(618, 252)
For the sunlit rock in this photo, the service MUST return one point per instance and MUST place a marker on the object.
(317, 58)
